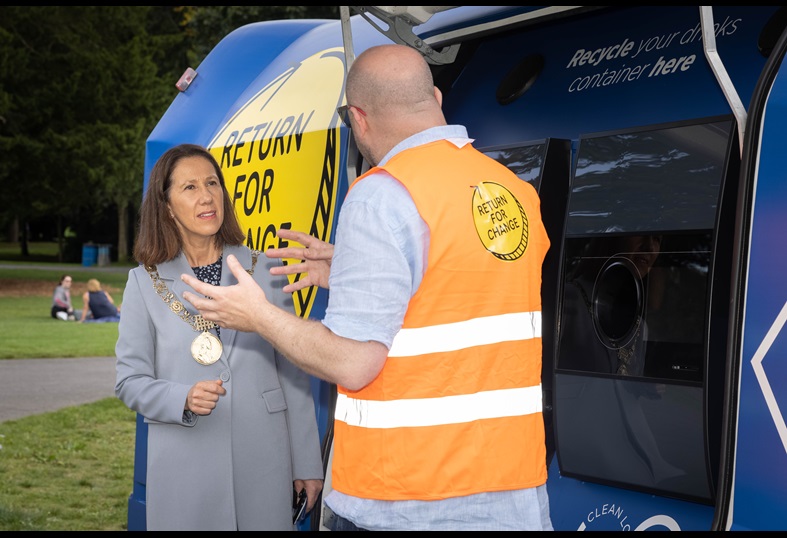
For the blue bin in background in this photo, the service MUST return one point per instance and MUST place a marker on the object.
(89, 254)
(103, 255)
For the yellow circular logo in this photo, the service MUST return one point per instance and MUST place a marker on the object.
(280, 156)
(500, 221)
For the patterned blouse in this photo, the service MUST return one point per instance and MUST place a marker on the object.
(210, 274)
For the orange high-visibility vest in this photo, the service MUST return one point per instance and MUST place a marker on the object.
(456, 409)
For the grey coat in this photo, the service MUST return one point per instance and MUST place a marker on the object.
(232, 469)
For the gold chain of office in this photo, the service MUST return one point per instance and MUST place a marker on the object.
(197, 322)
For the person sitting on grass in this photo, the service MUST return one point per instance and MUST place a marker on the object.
(99, 303)
(61, 301)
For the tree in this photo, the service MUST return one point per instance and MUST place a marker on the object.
(85, 88)
(81, 88)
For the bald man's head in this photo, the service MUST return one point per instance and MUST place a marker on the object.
(393, 86)
(391, 77)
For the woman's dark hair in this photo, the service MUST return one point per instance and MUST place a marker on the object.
(158, 238)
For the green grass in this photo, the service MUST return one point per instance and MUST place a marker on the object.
(30, 332)
(39, 252)
(44, 271)
(71, 469)
(68, 470)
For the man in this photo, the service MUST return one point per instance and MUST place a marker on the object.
(432, 331)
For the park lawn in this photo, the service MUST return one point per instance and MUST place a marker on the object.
(31, 332)
(72, 469)
(68, 470)
(37, 251)
(43, 272)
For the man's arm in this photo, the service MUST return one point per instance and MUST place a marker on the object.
(307, 343)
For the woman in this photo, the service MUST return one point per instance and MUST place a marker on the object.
(99, 304)
(610, 335)
(231, 422)
(61, 301)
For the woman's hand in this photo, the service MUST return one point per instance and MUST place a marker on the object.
(203, 397)
(313, 489)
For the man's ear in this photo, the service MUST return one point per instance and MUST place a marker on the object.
(438, 95)
(360, 121)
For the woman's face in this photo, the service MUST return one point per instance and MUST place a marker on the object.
(196, 198)
(642, 250)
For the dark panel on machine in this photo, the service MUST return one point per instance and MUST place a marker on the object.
(635, 300)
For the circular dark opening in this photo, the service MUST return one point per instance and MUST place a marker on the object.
(519, 79)
(617, 302)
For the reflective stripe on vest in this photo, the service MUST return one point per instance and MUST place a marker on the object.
(461, 334)
(438, 411)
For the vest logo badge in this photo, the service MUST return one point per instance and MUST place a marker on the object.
(500, 221)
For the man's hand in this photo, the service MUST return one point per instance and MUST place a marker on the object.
(308, 344)
(234, 307)
(315, 256)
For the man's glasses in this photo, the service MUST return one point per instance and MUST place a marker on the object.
(344, 113)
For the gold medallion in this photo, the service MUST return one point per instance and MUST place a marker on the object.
(206, 348)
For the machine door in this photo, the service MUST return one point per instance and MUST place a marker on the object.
(758, 480)
(635, 344)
